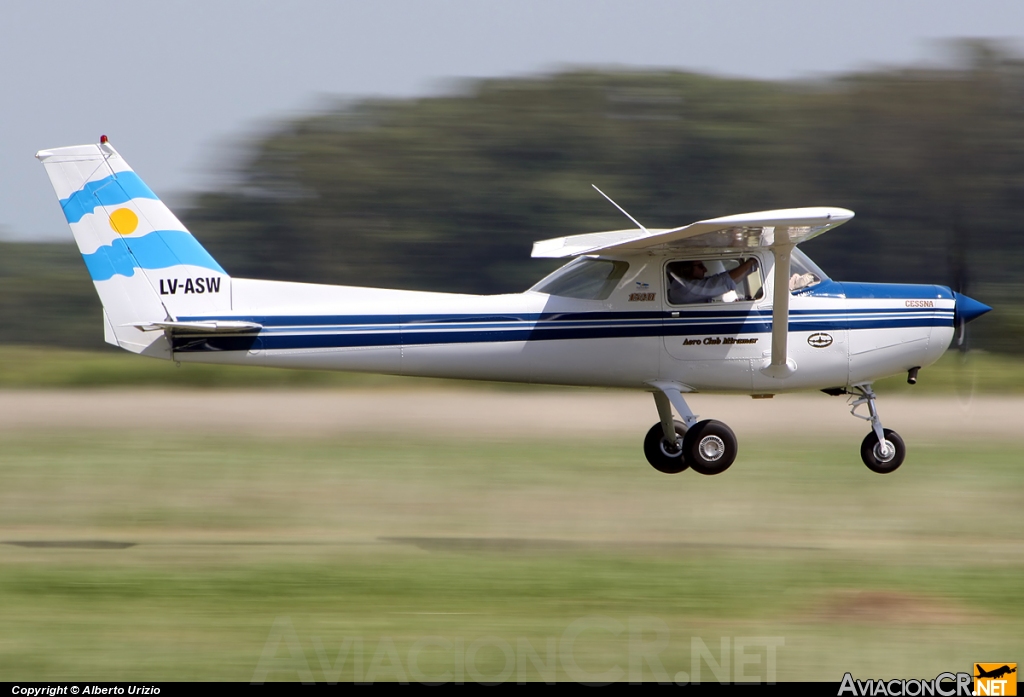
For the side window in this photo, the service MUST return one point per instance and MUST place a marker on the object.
(712, 280)
(585, 279)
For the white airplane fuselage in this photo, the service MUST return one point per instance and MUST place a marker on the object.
(839, 333)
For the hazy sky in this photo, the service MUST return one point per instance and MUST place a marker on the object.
(173, 82)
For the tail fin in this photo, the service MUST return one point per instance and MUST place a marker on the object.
(145, 264)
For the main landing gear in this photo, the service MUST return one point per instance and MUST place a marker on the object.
(671, 446)
(882, 450)
(709, 447)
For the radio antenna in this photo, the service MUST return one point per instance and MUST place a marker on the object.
(637, 222)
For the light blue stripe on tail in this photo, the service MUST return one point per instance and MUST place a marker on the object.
(109, 191)
(157, 250)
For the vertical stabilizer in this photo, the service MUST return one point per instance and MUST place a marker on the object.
(145, 264)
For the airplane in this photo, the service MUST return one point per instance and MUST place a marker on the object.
(607, 318)
(995, 673)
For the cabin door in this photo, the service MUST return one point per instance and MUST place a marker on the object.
(713, 337)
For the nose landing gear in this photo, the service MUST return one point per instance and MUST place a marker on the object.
(882, 450)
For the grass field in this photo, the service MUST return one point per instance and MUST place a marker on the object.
(151, 555)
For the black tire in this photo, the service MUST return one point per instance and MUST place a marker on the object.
(662, 456)
(872, 456)
(710, 447)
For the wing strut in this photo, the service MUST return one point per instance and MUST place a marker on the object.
(780, 365)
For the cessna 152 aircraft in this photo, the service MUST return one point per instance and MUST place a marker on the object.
(623, 312)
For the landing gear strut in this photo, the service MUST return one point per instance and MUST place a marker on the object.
(882, 450)
(671, 446)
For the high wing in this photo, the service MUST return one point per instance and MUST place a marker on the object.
(769, 229)
(780, 231)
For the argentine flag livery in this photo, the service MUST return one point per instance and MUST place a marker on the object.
(143, 261)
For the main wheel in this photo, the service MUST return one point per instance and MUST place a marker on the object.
(710, 447)
(877, 460)
(664, 456)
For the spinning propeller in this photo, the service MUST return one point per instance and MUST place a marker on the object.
(967, 309)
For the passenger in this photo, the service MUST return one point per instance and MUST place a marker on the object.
(691, 286)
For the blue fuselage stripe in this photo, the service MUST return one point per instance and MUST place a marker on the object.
(429, 321)
(306, 332)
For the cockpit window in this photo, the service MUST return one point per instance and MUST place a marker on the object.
(586, 278)
(803, 273)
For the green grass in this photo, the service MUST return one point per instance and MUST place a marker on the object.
(26, 367)
(440, 545)
(23, 367)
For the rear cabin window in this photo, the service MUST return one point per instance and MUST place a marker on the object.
(585, 278)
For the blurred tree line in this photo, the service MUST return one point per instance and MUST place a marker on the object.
(448, 193)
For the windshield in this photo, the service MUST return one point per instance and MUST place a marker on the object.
(586, 278)
(804, 273)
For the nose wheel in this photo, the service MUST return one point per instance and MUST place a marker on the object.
(886, 456)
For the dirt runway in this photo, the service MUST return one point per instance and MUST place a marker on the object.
(487, 414)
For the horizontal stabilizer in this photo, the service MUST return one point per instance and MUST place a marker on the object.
(209, 327)
(745, 231)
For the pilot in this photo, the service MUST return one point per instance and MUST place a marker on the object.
(691, 286)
